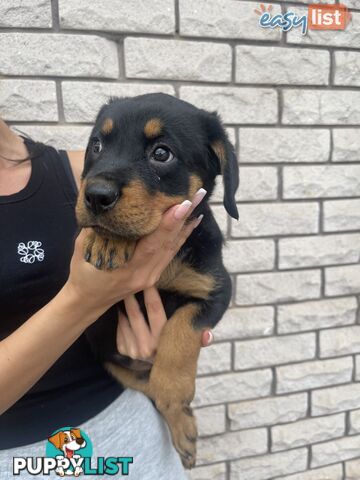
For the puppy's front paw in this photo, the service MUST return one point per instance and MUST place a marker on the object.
(107, 253)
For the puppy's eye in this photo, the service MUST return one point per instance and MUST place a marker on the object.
(66, 440)
(96, 146)
(162, 154)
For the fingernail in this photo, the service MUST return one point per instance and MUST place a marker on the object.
(198, 221)
(199, 195)
(210, 338)
(182, 209)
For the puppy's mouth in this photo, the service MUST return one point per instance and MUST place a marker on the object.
(105, 232)
(69, 453)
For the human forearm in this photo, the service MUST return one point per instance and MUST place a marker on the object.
(30, 351)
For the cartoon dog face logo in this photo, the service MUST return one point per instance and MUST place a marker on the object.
(68, 441)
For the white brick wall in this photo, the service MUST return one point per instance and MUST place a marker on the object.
(278, 394)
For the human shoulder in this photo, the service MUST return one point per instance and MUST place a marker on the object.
(76, 158)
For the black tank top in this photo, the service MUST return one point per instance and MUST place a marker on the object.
(37, 233)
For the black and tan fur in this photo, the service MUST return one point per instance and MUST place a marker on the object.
(125, 190)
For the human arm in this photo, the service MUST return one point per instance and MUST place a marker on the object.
(29, 351)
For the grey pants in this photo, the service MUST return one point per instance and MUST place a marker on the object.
(130, 426)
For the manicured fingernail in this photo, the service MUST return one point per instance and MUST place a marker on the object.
(210, 338)
(199, 195)
(198, 221)
(182, 209)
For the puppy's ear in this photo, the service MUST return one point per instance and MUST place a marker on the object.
(57, 440)
(76, 432)
(221, 147)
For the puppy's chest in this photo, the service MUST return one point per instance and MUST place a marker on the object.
(181, 278)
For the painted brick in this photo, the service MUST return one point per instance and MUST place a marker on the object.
(342, 280)
(274, 351)
(323, 107)
(341, 215)
(58, 54)
(261, 288)
(284, 145)
(284, 218)
(231, 445)
(304, 432)
(245, 322)
(357, 367)
(321, 250)
(82, 100)
(350, 37)
(346, 145)
(63, 137)
(335, 399)
(249, 255)
(235, 104)
(321, 181)
(223, 19)
(215, 472)
(315, 315)
(157, 16)
(253, 65)
(334, 472)
(177, 60)
(347, 68)
(25, 13)
(259, 468)
(258, 183)
(355, 421)
(267, 411)
(309, 375)
(232, 387)
(340, 341)
(19, 100)
(215, 358)
(221, 218)
(211, 420)
(335, 451)
(352, 469)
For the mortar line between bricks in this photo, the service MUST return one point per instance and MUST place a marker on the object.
(115, 36)
(332, 70)
(60, 103)
(335, 462)
(121, 59)
(54, 17)
(177, 16)
(229, 125)
(286, 424)
(190, 83)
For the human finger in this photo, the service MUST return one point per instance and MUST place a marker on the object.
(156, 312)
(207, 338)
(125, 341)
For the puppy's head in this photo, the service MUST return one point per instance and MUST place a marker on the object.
(68, 441)
(146, 154)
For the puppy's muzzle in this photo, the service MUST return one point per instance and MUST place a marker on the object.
(101, 196)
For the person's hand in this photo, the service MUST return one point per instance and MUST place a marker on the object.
(99, 290)
(136, 338)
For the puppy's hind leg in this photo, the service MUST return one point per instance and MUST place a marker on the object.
(130, 378)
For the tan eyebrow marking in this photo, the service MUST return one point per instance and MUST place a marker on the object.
(153, 128)
(107, 126)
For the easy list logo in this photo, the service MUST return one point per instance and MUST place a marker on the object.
(318, 17)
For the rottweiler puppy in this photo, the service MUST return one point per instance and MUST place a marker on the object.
(146, 154)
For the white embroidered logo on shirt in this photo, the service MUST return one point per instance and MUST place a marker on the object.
(31, 252)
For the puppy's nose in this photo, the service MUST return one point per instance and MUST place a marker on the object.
(101, 196)
(80, 441)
